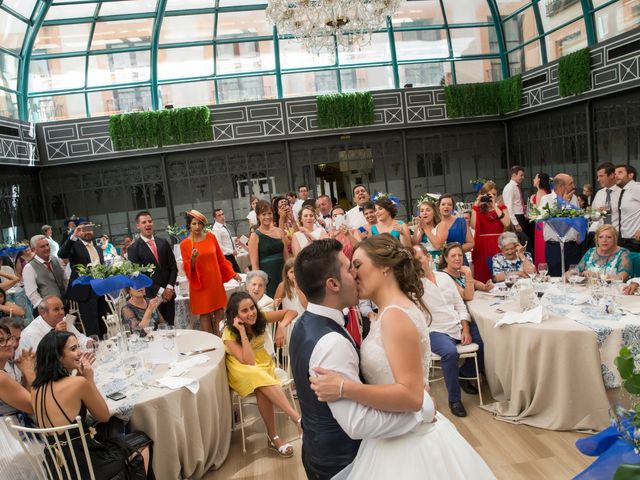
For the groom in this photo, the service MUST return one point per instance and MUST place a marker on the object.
(332, 431)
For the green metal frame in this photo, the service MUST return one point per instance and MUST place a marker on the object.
(41, 7)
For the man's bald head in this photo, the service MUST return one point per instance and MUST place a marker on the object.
(563, 184)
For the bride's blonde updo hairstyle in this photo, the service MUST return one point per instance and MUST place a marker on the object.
(386, 251)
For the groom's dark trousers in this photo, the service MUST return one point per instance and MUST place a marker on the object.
(326, 448)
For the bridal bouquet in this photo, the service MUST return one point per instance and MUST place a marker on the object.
(110, 278)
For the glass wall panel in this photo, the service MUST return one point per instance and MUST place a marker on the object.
(8, 104)
(617, 129)
(188, 94)
(468, 11)
(129, 6)
(243, 89)
(185, 62)
(56, 74)
(244, 57)
(124, 33)
(118, 68)
(377, 51)
(253, 23)
(375, 78)
(240, 3)
(23, 7)
(558, 12)
(620, 17)
(57, 12)
(57, 107)
(473, 41)
(418, 13)
(187, 28)
(8, 71)
(12, 32)
(566, 40)
(309, 83)
(426, 74)
(421, 44)
(294, 55)
(520, 29)
(62, 38)
(507, 7)
(119, 101)
(473, 71)
(189, 4)
(525, 58)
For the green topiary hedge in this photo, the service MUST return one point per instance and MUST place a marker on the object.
(480, 99)
(341, 110)
(131, 131)
(574, 73)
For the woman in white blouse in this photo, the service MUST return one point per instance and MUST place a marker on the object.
(309, 231)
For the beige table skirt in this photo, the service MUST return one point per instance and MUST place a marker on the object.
(545, 375)
(191, 432)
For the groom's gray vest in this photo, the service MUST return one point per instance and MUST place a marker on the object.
(324, 442)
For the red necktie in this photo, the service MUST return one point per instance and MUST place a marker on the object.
(48, 264)
(154, 249)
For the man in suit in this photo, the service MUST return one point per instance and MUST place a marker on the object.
(80, 249)
(43, 275)
(154, 250)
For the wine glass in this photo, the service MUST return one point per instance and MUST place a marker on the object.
(148, 333)
(543, 269)
(532, 274)
(574, 275)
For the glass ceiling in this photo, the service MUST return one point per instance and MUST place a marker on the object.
(75, 58)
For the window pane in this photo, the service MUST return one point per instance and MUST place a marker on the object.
(71, 11)
(474, 71)
(8, 104)
(119, 101)
(246, 88)
(376, 78)
(421, 44)
(62, 38)
(377, 51)
(244, 57)
(188, 94)
(507, 7)
(125, 33)
(60, 107)
(468, 11)
(556, 12)
(566, 40)
(56, 73)
(243, 24)
(118, 68)
(130, 6)
(8, 71)
(189, 4)
(617, 18)
(425, 74)
(185, 62)
(309, 83)
(186, 28)
(294, 55)
(520, 29)
(473, 41)
(11, 32)
(237, 3)
(525, 58)
(418, 13)
(23, 7)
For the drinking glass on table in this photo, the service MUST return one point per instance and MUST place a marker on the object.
(543, 269)
(574, 275)
(148, 333)
(169, 338)
(532, 274)
(162, 329)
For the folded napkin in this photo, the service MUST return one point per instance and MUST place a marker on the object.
(530, 316)
(178, 368)
(174, 383)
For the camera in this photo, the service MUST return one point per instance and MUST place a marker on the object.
(486, 198)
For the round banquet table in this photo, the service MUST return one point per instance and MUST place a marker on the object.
(191, 432)
(548, 375)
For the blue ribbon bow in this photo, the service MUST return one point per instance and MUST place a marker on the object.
(104, 286)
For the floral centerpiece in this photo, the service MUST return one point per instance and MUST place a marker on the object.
(477, 183)
(180, 232)
(618, 447)
(393, 198)
(109, 278)
(11, 248)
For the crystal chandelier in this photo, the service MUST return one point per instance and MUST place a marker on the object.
(320, 24)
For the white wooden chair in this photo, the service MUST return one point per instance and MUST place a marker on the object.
(464, 352)
(56, 443)
(74, 314)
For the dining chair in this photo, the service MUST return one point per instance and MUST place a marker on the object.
(635, 260)
(464, 352)
(64, 462)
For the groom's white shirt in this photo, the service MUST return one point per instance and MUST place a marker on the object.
(335, 352)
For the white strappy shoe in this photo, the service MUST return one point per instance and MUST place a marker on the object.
(285, 451)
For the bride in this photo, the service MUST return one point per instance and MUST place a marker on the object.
(395, 359)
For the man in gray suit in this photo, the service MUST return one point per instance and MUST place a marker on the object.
(42, 276)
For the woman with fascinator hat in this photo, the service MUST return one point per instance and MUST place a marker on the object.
(207, 271)
(386, 211)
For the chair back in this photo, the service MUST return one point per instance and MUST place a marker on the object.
(635, 260)
(58, 460)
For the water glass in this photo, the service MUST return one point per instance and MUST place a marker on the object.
(95, 344)
(169, 338)
(543, 269)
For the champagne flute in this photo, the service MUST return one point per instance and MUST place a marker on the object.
(543, 269)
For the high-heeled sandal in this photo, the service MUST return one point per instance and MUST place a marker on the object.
(285, 450)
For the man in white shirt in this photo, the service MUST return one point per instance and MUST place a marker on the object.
(324, 206)
(331, 431)
(628, 207)
(606, 199)
(43, 275)
(51, 317)
(303, 196)
(355, 217)
(513, 198)
(225, 239)
(564, 188)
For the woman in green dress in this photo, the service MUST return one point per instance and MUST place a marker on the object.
(267, 249)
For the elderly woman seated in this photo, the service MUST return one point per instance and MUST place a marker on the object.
(512, 258)
(606, 255)
(257, 281)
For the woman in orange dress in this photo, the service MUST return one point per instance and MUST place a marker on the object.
(207, 271)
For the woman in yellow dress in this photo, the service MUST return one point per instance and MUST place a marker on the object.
(250, 368)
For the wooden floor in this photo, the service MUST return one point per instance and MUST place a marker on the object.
(514, 452)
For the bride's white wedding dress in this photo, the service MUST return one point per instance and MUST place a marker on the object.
(432, 451)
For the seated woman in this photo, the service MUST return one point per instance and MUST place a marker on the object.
(452, 263)
(58, 397)
(288, 295)
(9, 309)
(257, 281)
(140, 313)
(512, 258)
(10, 280)
(251, 369)
(607, 254)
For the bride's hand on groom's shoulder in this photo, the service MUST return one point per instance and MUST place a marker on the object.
(328, 385)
